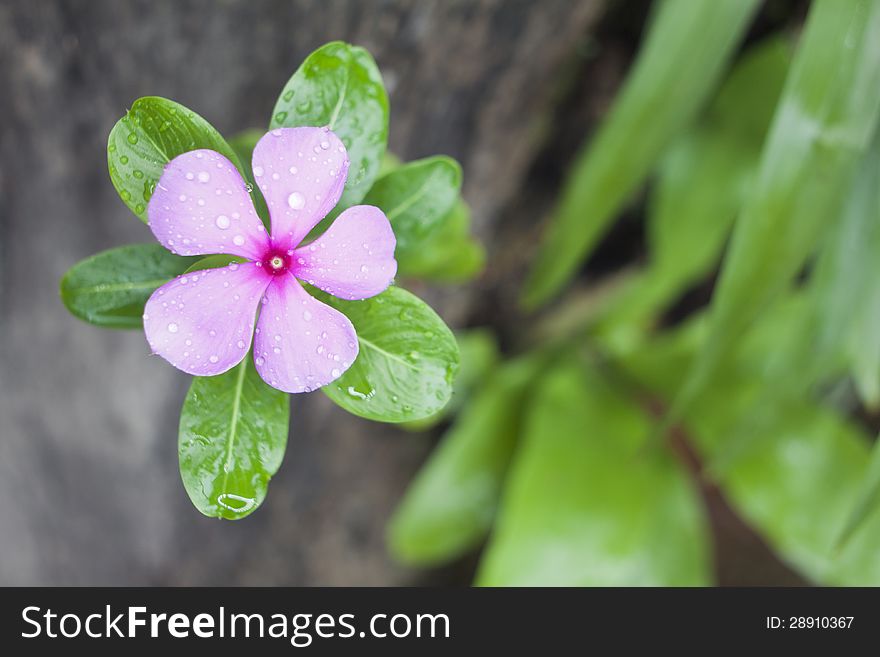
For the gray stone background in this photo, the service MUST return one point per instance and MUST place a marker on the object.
(89, 485)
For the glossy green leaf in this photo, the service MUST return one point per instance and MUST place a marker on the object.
(416, 197)
(683, 57)
(450, 254)
(152, 133)
(867, 501)
(820, 131)
(790, 466)
(110, 288)
(450, 506)
(478, 357)
(580, 509)
(233, 432)
(407, 362)
(339, 86)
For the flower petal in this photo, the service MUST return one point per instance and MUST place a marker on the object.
(301, 172)
(354, 258)
(301, 344)
(202, 323)
(201, 206)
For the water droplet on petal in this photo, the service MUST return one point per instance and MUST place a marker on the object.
(172, 327)
(204, 176)
(296, 201)
(238, 240)
(222, 222)
(258, 171)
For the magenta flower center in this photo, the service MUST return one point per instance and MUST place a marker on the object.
(276, 261)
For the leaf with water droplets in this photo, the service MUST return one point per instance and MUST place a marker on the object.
(421, 200)
(233, 433)
(152, 133)
(110, 288)
(407, 362)
(339, 86)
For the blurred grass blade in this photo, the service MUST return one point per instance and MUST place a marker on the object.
(679, 64)
(846, 286)
(579, 510)
(701, 185)
(867, 501)
(450, 506)
(820, 131)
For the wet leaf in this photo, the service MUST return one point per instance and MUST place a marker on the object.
(110, 288)
(151, 134)
(407, 362)
(233, 433)
(339, 86)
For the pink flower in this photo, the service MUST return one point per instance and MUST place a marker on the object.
(203, 322)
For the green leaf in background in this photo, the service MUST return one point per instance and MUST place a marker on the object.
(681, 61)
(416, 197)
(478, 356)
(151, 134)
(580, 509)
(110, 288)
(339, 86)
(702, 182)
(867, 501)
(820, 131)
(791, 467)
(407, 362)
(846, 285)
(233, 432)
(450, 254)
(450, 506)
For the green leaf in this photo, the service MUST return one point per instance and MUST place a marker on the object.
(450, 506)
(846, 286)
(449, 254)
(416, 197)
(791, 466)
(821, 129)
(581, 509)
(677, 68)
(867, 500)
(407, 362)
(151, 134)
(339, 86)
(478, 356)
(233, 432)
(110, 288)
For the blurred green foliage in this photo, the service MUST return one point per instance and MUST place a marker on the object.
(579, 460)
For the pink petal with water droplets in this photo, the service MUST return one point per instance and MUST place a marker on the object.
(301, 344)
(354, 258)
(202, 323)
(201, 206)
(301, 173)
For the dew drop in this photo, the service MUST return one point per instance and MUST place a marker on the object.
(258, 171)
(222, 222)
(296, 201)
(172, 327)
(213, 359)
(238, 240)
